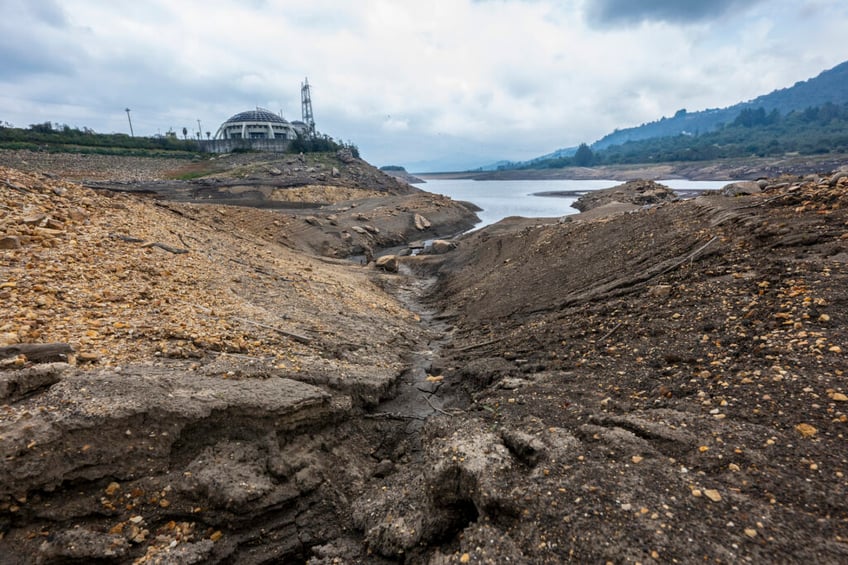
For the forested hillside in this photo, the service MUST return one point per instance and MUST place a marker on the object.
(753, 133)
(831, 86)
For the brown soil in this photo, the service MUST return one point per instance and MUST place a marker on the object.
(664, 384)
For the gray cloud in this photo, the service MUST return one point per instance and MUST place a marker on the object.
(616, 12)
(459, 85)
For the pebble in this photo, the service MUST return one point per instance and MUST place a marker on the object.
(806, 430)
(712, 494)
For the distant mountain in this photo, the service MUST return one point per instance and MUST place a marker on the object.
(495, 166)
(829, 86)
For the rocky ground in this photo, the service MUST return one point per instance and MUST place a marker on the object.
(193, 382)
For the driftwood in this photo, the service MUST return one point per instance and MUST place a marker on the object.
(38, 352)
(297, 337)
(130, 239)
(168, 208)
(126, 238)
(168, 248)
(435, 408)
(391, 416)
(17, 187)
(257, 269)
(609, 333)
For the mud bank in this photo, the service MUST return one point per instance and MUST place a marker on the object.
(658, 384)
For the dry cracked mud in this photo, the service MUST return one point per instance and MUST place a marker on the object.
(660, 385)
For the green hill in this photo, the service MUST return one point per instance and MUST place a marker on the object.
(829, 86)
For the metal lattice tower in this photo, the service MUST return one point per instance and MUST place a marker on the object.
(306, 106)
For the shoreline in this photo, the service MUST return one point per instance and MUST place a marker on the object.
(720, 170)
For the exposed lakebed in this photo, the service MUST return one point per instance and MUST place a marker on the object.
(535, 198)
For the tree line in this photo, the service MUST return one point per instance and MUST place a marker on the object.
(51, 137)
(755, 132)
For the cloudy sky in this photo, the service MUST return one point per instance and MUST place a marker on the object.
(431, 85)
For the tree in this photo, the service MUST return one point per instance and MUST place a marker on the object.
(185, 133)
(584, 157)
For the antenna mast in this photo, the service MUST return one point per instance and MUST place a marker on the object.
(306, 106)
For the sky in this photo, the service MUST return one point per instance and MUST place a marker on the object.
(429, 85)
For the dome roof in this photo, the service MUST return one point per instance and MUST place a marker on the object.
(257, 115)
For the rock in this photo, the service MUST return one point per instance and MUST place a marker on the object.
(806, 430)
(82, 544)
(388, 263)
(834, 180)
(384, 468)
(312, 220)
(636, 192)
(359, 229)
(527, 448)
(660, 291)
(35, 219)
(421, 223)
(275, 171)
(335, 173)
(17, 384)
(441, 246)
(741, 188)
(372, 229)
(345, 155)
(712, 494)
(167, 403)
(230, 475)
(10, 242)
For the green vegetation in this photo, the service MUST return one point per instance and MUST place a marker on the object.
(58, 138)
(320, 144)
(63, 138)
(815, 130)
(830, 86)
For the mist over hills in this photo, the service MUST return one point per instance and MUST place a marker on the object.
(829, 88)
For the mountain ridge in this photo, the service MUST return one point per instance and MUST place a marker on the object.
(829, 86)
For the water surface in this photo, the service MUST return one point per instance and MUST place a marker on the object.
(503, 198)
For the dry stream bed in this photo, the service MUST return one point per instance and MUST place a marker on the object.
(656, 383)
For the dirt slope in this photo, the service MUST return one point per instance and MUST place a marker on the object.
(209, 387)
(666, 385)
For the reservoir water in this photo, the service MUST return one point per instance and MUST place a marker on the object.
(502, 198)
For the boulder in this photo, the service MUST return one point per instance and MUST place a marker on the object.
(421, 223)
(10, 242)
(741, 188)
(388, 263)
(441, 246)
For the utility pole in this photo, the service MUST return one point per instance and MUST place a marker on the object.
(199, 129)
(127, 110)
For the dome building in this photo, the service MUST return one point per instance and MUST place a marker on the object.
(259, 124)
